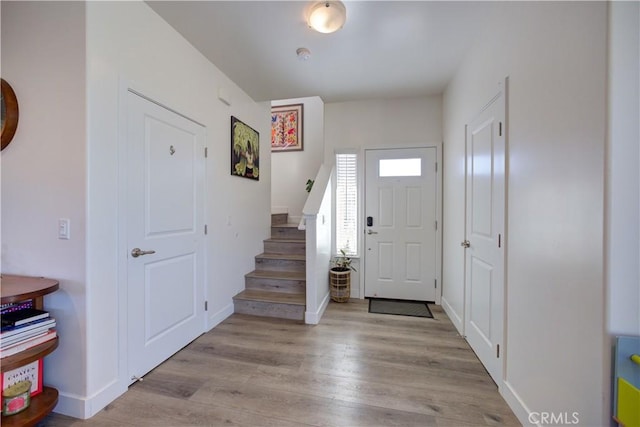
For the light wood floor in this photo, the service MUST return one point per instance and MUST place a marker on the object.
(353, 369)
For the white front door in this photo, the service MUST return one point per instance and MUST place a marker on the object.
(485, 225)
(165, 281)
(400, 224)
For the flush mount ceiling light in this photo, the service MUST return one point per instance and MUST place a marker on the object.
(327, 16)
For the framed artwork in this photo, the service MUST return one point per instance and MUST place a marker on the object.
(245, 150)
(286, 127)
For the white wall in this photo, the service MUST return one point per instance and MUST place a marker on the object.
(623, 186)
(403, 122)
(623, 179)
(292, 169)
(379, 123)
(127, 43)
(555, 57)
(69, 64)
(43, 169)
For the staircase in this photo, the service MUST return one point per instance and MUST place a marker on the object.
(277, 287)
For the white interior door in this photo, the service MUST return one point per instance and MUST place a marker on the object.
(400, 205)
(485, 225)
(165, 185)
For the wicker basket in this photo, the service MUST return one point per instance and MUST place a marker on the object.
(340, 283)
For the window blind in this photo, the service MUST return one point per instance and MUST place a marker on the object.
(347, 203)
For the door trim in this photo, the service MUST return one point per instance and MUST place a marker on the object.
(362, 194)
(502, 90)
(126, 86)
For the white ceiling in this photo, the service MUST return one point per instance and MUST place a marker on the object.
(387, 49)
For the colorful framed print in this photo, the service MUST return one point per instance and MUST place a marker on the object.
(245, 150)
(287, 127)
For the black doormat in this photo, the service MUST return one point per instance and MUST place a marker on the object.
(399, 307)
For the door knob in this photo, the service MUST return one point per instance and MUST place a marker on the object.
(465, 244)
(136, 252)
(371, 232)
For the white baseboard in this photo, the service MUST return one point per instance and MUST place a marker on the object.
(86, 407)
(72, 406)
(515, 403)
(313, 317)
(216, 318)
(455, 318)
(355, 292)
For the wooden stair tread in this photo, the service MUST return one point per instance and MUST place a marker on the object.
(273, 297)
(284, 275)
(285, 240)
(288, 225)
(276, 288)
(292, 257)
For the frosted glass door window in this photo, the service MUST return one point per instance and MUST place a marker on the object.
(400, 167)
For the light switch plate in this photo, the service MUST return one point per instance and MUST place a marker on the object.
(64, 229)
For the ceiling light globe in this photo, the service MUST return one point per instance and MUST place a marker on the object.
(327, 16)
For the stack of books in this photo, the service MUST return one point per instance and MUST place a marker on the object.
(24, 327)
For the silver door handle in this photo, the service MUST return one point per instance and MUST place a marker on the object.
(371, 232)
(136, 252)
(465, 244)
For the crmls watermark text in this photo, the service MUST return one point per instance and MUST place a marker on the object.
(554, 418)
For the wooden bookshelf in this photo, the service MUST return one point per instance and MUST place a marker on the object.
(22, 288)
(17, 289)
(40, 406)
(29, 355)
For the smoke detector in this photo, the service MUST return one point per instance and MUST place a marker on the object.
(303, 53)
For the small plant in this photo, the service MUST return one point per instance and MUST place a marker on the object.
(309, 185)
(342, 262)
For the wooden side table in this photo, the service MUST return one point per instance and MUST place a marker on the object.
(18, 289)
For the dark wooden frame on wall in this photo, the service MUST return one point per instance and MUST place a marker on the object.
(245, 150)
(10, 114)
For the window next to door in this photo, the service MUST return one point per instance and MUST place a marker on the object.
(347, 203)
